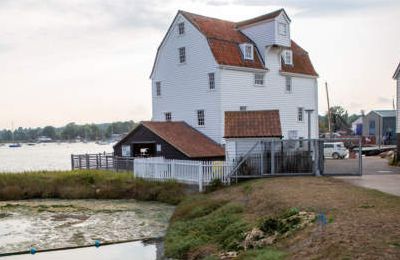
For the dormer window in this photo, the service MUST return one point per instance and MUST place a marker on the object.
(181, 28)
(247, 50)
(288, 57)
(283, 29)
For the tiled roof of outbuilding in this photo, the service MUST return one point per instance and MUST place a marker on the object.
(247, 124)
(186, 139)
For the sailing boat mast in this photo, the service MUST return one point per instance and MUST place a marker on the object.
(329, 110)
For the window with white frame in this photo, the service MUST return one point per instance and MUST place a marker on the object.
(168, 116)
(288, 57)
(181, 28)
(211, 80)
(158, 88)
(182, 55)
(259, 79)
(200, 117)
(248, 51)
(243, 108)
(283, 29)
(300, 114)
(288, 88)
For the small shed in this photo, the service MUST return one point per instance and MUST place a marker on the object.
(243, 129)
(380, 124)
(171, 140)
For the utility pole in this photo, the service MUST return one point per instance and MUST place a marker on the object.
(329, 110)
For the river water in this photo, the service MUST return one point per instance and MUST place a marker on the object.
(45, 156)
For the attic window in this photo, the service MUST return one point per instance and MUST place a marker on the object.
(288, 57)
(181, 28)
(247, 50)
(282, 29)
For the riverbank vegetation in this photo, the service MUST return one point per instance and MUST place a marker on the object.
(286, 218)
(87, 184)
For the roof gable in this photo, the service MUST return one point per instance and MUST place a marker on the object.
(397, 72)
(247, 124)
(264, 17)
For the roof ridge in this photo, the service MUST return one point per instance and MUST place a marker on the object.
(204, 16)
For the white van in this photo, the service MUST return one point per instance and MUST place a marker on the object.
(335, 150)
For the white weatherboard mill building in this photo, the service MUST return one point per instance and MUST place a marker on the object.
(206, 66)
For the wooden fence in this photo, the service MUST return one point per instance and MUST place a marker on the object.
(101, 161)
(200, 173)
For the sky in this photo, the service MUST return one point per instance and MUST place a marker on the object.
(90, 60)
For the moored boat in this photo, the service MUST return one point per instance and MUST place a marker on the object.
(16, 145)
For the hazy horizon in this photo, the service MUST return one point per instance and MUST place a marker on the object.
(90, 61)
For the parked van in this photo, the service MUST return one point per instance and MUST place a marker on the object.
(335, 150)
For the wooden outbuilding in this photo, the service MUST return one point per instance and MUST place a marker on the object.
(171, 140)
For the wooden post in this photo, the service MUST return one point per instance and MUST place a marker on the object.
(106, 162)
(173, 169)
(80, 161)
(262, 157)
(72, 162)
(273, 157)
(87, 162)
(200, 170)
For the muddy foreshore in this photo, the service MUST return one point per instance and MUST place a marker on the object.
(48, 224)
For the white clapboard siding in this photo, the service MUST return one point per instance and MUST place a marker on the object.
(184, 87)
(238, 89)
(190, 172)
(398, 105)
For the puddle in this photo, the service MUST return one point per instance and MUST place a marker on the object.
(48, 224)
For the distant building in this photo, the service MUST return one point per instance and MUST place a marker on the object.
(381, 125)
(357, 126)
(396, 76)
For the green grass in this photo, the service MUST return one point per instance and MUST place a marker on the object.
(87, 184)
(262, 254)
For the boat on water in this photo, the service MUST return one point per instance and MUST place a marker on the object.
(16, 145)
(102, 142)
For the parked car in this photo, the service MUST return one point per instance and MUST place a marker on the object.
(335, 150)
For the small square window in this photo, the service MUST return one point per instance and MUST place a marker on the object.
(300, 114)
(282, 28)
(200, 118)
(288, 57)
(168, 116)
(243, 108)
(181, 28)
(259, 79)
(248, 52)
(182, 55)
(211, 80)
(288, 85)
(158, 88)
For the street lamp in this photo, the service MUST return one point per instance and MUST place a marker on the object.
(309, 111)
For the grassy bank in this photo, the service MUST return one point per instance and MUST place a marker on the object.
(86, 184)
(357, 222)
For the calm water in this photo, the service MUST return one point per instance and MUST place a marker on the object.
(45, 156)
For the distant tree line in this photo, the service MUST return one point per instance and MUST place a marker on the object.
(71, 131)
(340, 120)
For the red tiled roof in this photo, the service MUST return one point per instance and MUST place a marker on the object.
(261, 18)
(224, 40)
(242, 124)
(301, 62)
(186, 139)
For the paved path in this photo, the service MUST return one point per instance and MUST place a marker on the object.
(377, 174)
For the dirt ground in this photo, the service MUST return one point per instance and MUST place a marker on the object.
(360, 223)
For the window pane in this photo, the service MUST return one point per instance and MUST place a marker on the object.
(181, 28)
(300, 114)
(243, 108)
(259, 79)
(168, 116)
(158, 88)
(182, 55)
(288, 84)
(211, 80)
(200, 117)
